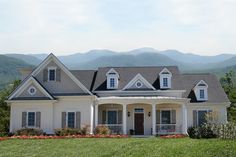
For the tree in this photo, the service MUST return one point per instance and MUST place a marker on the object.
(4, 109)
(229, 86)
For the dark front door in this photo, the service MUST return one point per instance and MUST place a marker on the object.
(138, 124)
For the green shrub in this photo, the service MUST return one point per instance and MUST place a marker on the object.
(193, 132)
(67, 131)
(207, 131)
(102, 130)
(29, 132)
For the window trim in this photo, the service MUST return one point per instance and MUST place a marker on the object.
(32, 87)
(168, 109)
(74, 118)
(117, 120)
(207, 110)
(52, 68)
(27, 117)
(202, 91)
(136, 84)
(167, 83)
(112, 83)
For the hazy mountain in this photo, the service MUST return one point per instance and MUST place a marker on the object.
(192, 58)
(9, 69)
(26, 58)
(142, 59)
(40, 56)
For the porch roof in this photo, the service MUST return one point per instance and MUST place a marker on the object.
(141, 99)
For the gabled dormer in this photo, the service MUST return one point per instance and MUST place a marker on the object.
(165, 79)
(112, 79)
(201, 91)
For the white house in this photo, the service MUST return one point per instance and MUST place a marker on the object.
(147, 100)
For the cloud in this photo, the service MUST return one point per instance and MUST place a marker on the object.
(69, 26)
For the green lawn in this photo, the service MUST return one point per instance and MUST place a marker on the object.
(118, 147)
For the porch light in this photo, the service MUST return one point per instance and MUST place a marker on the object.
(128, 114)
(149, 114)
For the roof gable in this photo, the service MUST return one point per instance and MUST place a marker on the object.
(22, 90)
(51, 58)
(138, 79)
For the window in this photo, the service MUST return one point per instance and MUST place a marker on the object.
(31, 119)
(165, 117)
(201, 117)
(138, 84)
(112, 117)
(52, 74)
(32, 90)
(165, 82)
(202, 93)
(112, 82)
(138, 110)
(71, 120)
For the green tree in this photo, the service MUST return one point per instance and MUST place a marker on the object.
(229, 86)
(4, 109)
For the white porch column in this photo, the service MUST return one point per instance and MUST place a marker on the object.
(124, 118)
(184, 119)
(92, 118)
(153, 119)
(96, 115)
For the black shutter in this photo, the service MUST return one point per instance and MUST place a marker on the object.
(104, 117)
(45, 75)
(38, 119)
(173, 117)
(194, 118)
(63, 119)
(58, 75)
(78, 120)
(23, 123)
(158, 116)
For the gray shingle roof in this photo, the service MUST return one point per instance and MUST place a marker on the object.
(215, 91)
(126, 74)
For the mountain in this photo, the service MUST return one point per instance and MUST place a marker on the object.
(9, 69)
(192, 58)
(142, 59)
(26, 58)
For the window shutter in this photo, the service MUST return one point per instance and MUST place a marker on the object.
(38, 119)
(120, 117)
(24, 115)
(194, 118)
(158, 116)
(45, 75)
(104, 117)
(58, 75)
(173, 116)
(78, 119)
(63, 119)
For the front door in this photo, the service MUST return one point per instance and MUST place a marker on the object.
(138, 123)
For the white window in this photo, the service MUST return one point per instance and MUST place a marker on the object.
(31, 119)
(32, 90)
(200, 91)
(112, 79)
(71, 119)
(112, 82)
(165, 79)
(52, 74)
(165, 82)
(112, 117)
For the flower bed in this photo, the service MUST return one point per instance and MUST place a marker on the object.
(173, 136)
(64, 137)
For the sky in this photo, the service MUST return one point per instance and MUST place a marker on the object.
(204, 27)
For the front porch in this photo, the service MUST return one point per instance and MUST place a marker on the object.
(149, 117)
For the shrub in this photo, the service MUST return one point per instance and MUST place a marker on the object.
(67, 131)
(193, 132)
(225, 131)
(29, 132)
(85, 130)
(102, 130)
(207, 131)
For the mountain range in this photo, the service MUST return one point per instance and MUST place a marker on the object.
(187, 62)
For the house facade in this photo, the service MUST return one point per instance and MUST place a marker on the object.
(139, 100)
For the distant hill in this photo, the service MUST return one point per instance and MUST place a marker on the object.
(9, 69)
(26, 58)
(142, 59)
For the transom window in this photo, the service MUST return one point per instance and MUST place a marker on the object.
(112, 82)
(165, 82)
(138, 110)
(52, 74)
(202, 94)
(71, 120)
(31, 119)
(112, 117)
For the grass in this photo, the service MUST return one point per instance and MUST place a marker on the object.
(118, 147)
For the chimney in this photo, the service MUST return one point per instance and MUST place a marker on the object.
(25, 72)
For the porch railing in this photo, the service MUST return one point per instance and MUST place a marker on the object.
(115, 128)
(168, 128)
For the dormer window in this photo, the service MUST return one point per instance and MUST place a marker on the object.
(200, 91)
(112, 79)
(165, 79)
(52, 74)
